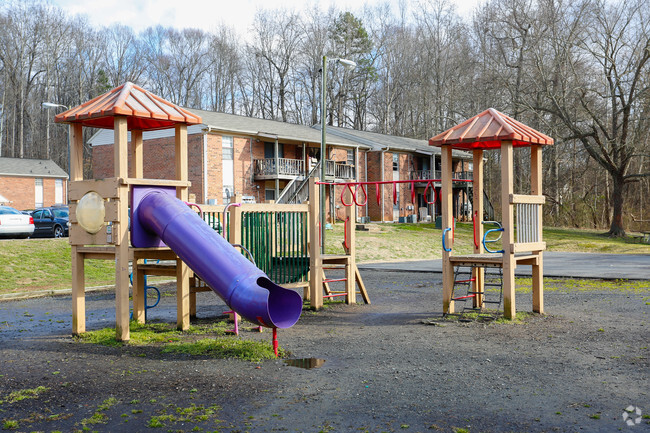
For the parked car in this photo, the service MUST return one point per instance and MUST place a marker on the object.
(14, 224)
(51, 221)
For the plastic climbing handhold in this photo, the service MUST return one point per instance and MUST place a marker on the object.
(485, 240)
(444, 246)
(365, 195)
(424, 194)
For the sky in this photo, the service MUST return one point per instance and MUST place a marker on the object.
(206, 14)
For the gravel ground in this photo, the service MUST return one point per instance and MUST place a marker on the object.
(575, 369)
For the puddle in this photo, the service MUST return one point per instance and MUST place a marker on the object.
(307, 363)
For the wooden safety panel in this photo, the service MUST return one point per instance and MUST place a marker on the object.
(107, 188)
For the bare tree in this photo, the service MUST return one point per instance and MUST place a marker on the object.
(599, 92)
(122, 56)
(276, 44)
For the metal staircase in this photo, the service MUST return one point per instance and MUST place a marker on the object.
(297, 191)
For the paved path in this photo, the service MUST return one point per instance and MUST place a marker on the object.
(572, 265)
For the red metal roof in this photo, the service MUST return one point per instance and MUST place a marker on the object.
(143, 109)
(487, 130)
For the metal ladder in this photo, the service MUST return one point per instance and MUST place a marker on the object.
(463, 290)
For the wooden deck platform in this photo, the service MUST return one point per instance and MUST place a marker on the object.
(491, 260)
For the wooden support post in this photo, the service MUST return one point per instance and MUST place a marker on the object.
(182, 295)
(139, 292)
(509, 264)
(76, 152)
(315, 258)
(78, 275)
(78, 293)
(137, 154)
(477, 212)
(192, 298)
(120, 230)
(182, 270)
(349, 234)
(447, 222)
(536, 189)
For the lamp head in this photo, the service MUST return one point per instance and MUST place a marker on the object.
(348, 64)
(52, 105)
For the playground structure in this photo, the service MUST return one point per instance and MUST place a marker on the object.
(283, 240)
(521, 213)
(101, 210)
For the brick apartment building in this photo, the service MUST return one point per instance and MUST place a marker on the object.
(266, 160)
(32, 183)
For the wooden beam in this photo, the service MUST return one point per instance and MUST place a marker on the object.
(477, 212)
(76, 149)
(315, 258)
(121, 240)
(78, 292)
(507, 220)
(120, 147)
(137, 153)
(182, 295)
(526, 199)
(447, 222)
(139, 292)
(181, 159)
(536, 189)
(528, 246)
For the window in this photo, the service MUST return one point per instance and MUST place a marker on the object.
(350, 157)
(269, 150)
(227, 146)
(227, 168)
(395, 162)
(58, 191)
(269, 194)
(38, 192)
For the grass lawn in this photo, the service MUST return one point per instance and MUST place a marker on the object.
(44, 264)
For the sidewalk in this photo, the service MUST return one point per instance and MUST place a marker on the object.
(566, 265)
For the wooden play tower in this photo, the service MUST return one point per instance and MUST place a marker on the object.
(521, 214)
(99, 208)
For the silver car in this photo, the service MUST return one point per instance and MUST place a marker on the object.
(14, 224)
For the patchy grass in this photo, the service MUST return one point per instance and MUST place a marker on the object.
(151, 333)
(524, 285)
(171, 340)
(397, 242)
(173, 414)
(487, 316)
(24, 394)
(248, 350)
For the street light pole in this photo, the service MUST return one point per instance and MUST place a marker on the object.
(348, 64)
(323, 96)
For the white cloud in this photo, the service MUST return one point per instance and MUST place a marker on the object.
(206, 14)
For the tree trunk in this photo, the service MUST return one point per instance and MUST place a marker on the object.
(616, 229)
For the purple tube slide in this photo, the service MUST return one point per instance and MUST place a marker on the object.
(242, 286)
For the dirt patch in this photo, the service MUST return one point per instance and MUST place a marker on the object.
(576, 368)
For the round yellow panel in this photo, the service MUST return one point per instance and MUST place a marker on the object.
(91, 212)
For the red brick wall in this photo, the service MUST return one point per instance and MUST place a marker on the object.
(21, 191)
(159, 156)
(215, 162)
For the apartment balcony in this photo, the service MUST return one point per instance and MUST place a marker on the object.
(463, 175)
(423, 175)
(268, 169)
(335, 171)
